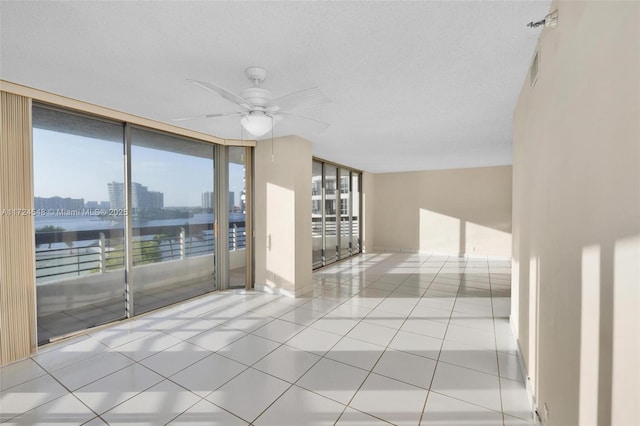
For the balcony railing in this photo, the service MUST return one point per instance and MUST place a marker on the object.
(64, 254)
(331, 226)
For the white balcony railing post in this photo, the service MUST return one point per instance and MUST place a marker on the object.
(103, 252)
(183, 243)
(234, 237)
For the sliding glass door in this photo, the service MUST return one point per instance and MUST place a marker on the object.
(345, 213)
(170, 197)
(355, 212)
(79, 234)
(335, 213)
(239, 204)
(127, 219)
(331, 199)
(317, 216)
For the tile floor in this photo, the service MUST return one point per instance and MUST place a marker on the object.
(384, 338)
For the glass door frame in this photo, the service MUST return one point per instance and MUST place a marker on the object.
(121, 301)
(222, 218)
(130, 303)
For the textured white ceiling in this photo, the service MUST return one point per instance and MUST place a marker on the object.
(414, 85)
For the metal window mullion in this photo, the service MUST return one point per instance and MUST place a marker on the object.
(216, 278)
(128, 272)
(323, 209)
(222, 216)
(360, 206)
(248, 206)
(350, 211)
(338, 214)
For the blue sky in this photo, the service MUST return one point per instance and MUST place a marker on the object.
(74, 166)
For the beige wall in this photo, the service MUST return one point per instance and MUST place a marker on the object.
(461, 211)
(576, 217)
(282, 214)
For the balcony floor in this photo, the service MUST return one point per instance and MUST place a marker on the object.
(384, 339)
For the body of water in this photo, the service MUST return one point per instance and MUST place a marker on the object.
(87, 223)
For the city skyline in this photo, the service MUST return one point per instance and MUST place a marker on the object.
(67, 203)
(73, 166)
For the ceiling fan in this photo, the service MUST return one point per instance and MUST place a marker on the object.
(259, 110)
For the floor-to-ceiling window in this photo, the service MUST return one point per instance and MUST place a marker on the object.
(80, 255)
(335, 212)
(237, 208)
(331, 199)
(317, 216)
(345, 213)
(355, 212)
(171, 193)
(125, 219)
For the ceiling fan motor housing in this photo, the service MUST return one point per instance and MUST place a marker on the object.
(257, 96)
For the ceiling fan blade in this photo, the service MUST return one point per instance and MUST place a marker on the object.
(198, 117)
(316, 125)
(302, 99)
(230, 96)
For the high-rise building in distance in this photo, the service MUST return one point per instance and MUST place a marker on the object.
(208, 200)
(141, 197)
(58, 203)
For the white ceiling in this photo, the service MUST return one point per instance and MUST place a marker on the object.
(414, 85)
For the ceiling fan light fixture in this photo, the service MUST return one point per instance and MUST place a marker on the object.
(257, 123)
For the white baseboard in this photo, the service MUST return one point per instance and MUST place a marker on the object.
(378, 249)
(281, 292)
(523, 370)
